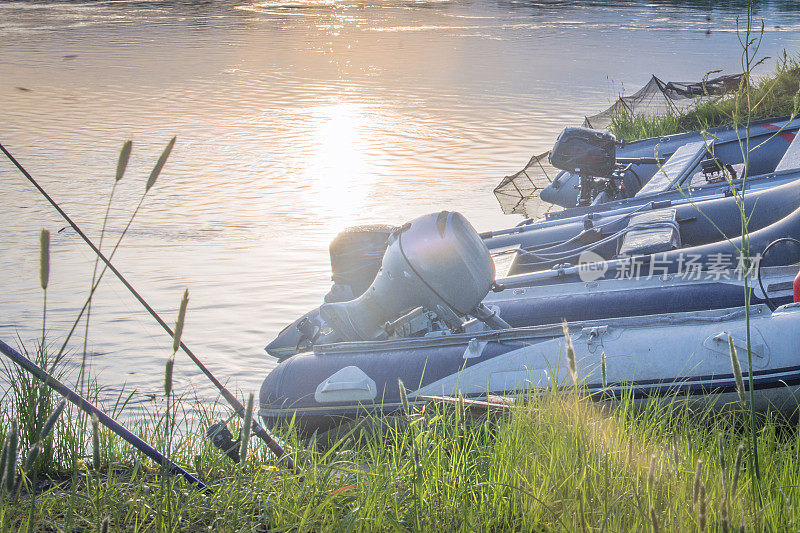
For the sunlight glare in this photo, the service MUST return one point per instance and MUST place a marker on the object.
(340, 165)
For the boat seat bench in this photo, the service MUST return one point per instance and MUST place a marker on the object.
(658, 233)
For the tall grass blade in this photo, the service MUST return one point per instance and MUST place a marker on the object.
(246, 427)
(579, 497)
(629, 458)
(737, 468)
(723, 467)
(95, 442)
(737, 371)
(676, 457)
(651, 473)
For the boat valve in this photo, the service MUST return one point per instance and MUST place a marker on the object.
(222, 439)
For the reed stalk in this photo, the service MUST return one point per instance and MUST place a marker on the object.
(44, 275)
(150, 182)
(122, 165)
(247, 424)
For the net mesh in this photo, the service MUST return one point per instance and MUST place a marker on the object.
(658, 97)
(519, 193)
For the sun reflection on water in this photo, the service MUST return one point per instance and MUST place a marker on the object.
(340, 166)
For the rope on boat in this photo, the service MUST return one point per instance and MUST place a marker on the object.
(550, 257)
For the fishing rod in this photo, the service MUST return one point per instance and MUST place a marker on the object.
(104, 419)
(258, 431)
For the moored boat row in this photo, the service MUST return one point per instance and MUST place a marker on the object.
(424, 302)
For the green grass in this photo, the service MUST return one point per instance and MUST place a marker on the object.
(772, 96)
(556, 462)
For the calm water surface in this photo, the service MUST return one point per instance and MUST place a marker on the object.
(294, 120)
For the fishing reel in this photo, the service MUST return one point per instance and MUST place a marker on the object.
(222, 439)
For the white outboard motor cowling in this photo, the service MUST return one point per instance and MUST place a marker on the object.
(436, 261)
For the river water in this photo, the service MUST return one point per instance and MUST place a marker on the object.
(294, 119)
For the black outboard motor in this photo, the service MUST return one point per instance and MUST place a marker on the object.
(356, 255)
(588, 153)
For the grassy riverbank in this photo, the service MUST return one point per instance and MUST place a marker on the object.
(771, 96)
(553, 463)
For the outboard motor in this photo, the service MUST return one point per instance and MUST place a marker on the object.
(356, 255)
(587, 153)
(436, 261)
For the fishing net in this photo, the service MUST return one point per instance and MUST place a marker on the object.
(658, 98)
(519, 193)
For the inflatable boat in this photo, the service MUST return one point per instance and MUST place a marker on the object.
(651, 228)
(649, 246)
(523, 304)
(426, 319)
(342, 381)
(597, 173)
(689, 221)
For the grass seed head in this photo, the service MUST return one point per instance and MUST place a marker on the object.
(50, 423)
(10, 474)
(403, 396)
(44, 258)
(159, 165)
(698, 480)
(30, 459)
(573, 367)
(654, 520)
(122, 162)
(168, 375)
(604, 374)
(702, 507)
(176, 337)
